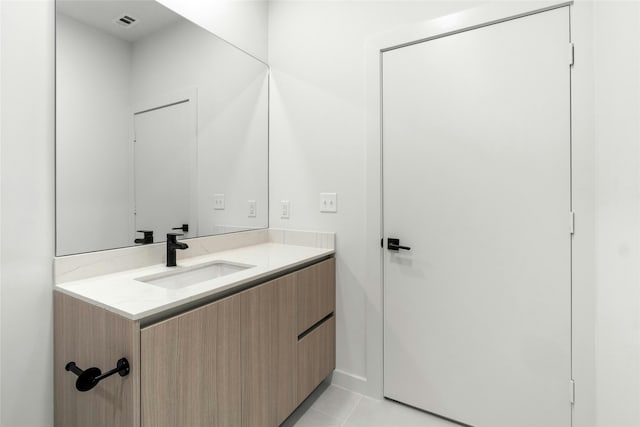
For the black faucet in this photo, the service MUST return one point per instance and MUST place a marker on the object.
(172, 245)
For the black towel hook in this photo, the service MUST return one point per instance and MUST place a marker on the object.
(91, 377)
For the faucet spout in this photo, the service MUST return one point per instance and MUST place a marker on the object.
(172, 245)
(181, 246)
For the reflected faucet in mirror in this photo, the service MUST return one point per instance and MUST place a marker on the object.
(147, 239)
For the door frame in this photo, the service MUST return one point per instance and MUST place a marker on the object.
(189, 95)
(582, 184)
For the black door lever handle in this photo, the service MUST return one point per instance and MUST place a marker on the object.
(394, 245)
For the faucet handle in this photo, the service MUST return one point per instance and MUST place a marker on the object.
(173, 237)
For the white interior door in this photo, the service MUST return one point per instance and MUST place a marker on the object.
(476, 166)
(165, 169)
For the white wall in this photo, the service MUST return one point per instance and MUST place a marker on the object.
(27, 226)
(93, 72)
(617, 136)
(27, 203)
(317, 144)
(232, 112)
(243, 23)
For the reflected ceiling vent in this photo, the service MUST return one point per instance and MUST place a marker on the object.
(126, 20)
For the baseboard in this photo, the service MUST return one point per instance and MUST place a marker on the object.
(352, 382)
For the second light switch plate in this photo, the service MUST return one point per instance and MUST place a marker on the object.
(218, 201)
(328, 202)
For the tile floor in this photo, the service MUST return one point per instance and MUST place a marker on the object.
(333, 406)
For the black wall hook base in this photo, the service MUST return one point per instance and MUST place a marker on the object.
(89, 378)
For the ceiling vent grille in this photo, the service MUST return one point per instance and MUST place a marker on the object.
(125, 20)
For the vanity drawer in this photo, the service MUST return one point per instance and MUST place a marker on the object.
(316, 293)
(316, 357)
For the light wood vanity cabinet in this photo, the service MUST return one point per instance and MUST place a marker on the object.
(316, 357)
(316, 294)
(190, 365)
(316, 326)
(269, 352)
(244, 360)
(92, 336)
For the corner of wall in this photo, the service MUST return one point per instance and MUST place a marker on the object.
(244, 24)
(616, 129)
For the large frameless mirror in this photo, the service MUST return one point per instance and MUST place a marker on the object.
(161, 127)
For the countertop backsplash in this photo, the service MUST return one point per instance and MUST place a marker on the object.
(87, 265)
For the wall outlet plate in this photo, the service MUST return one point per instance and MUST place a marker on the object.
(328, 202)
(252, 209)
(218, 202)
(285, 209)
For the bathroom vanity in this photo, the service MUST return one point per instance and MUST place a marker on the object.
(243, 349)
(174, 137)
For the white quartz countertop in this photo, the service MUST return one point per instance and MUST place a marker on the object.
(121, 293)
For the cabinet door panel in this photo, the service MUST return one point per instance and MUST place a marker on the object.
(286, 350)
(316, 293)
(269, 352)
(191, 366)
(316, 357)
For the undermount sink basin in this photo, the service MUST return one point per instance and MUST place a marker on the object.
(188, 276)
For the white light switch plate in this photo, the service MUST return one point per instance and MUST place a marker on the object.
(218, 201)
(285, 209)
(252, 208)
(328, 202)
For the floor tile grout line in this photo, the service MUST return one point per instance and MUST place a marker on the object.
(352, 410)
(325, 414)
(359, 398)
(313, 405)
(345, 389)
(333, 420)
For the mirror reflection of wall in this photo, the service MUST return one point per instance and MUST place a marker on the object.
(159, 123)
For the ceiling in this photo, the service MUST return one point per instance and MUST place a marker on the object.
(150, 16)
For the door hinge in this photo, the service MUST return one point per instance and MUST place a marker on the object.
(572, 222)
(572, 391)
(571, 54)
